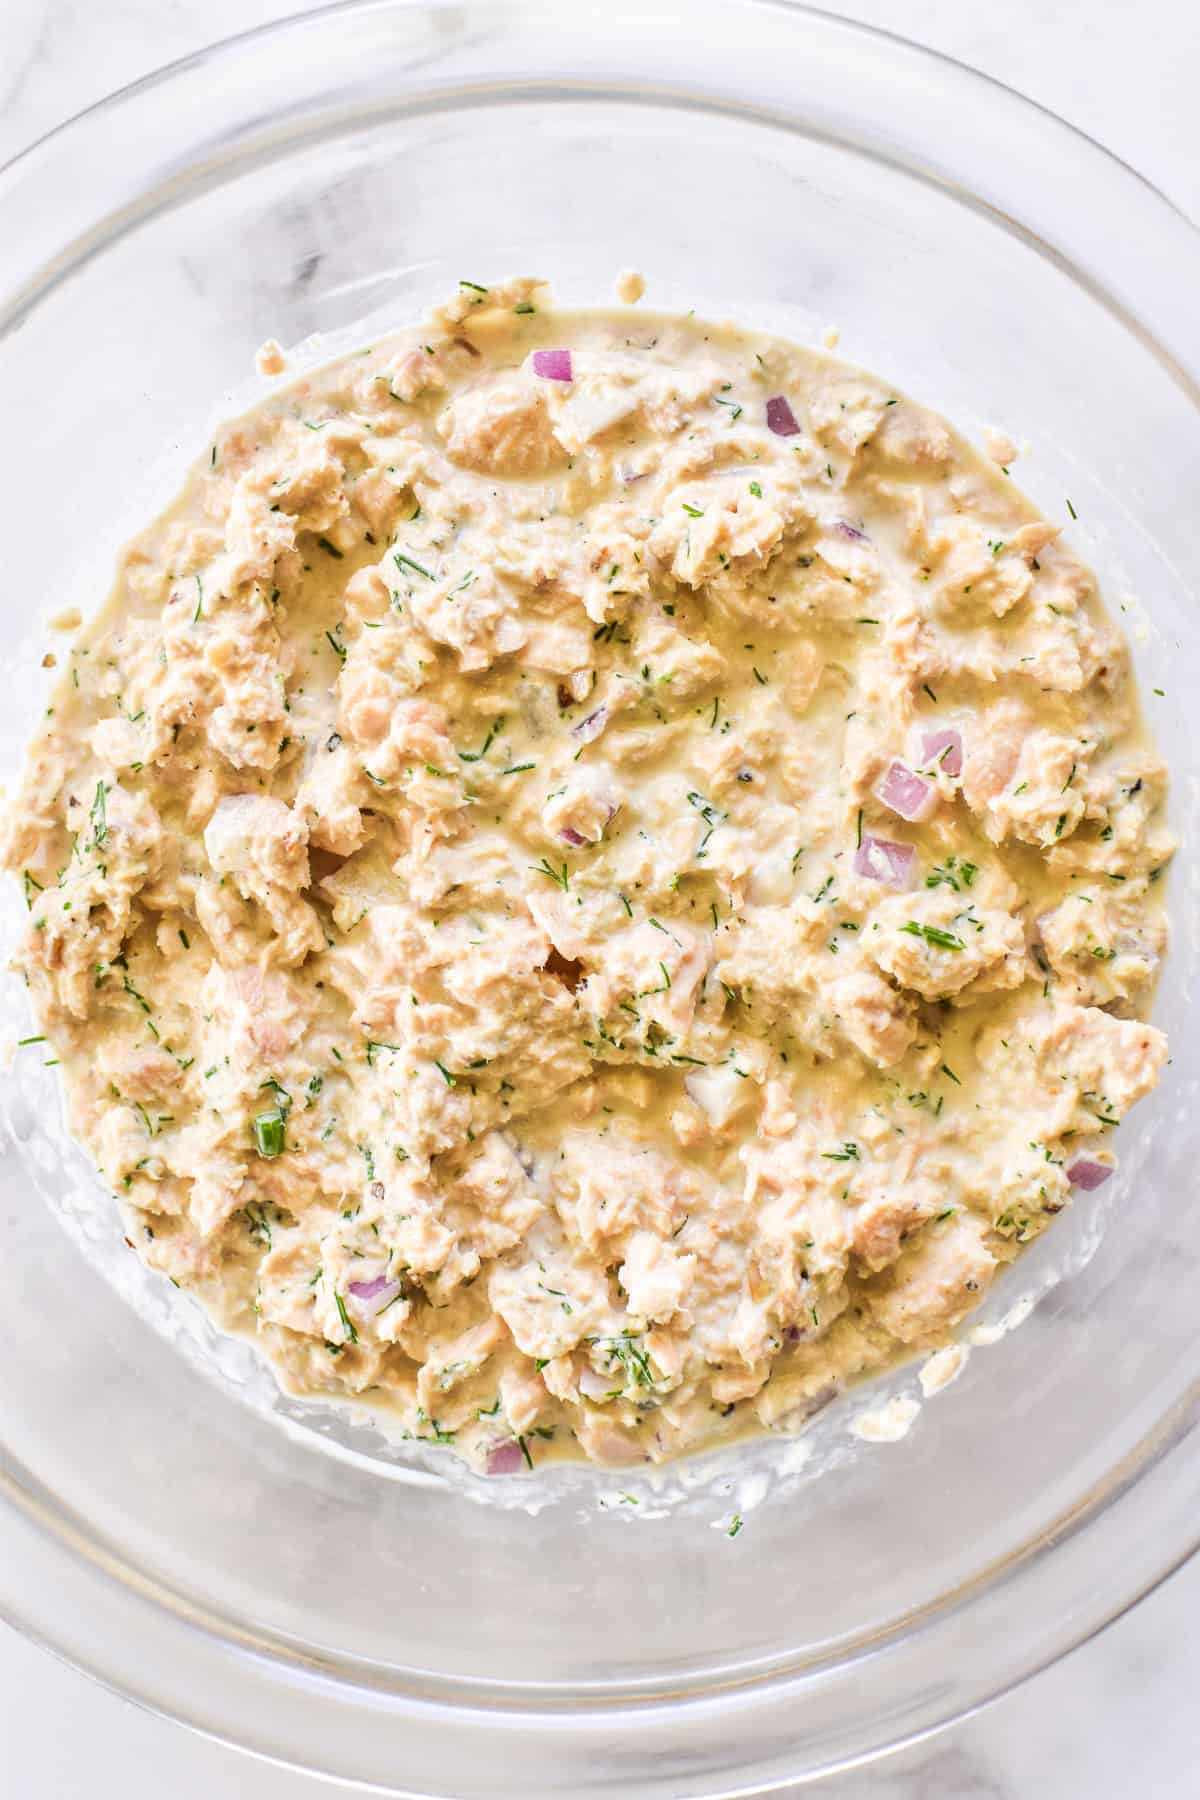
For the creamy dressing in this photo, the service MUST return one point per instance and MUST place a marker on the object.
(469, 899)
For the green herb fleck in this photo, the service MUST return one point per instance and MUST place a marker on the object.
(848, 1153)
(933, 934)
(406, 562)
(99, 815)
(478, 755)
(560, 878)
(344, 1316)
(956, 872)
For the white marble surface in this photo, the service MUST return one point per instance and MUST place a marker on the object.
(1115, 1716)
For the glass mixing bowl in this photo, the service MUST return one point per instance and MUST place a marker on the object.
(282, 1576)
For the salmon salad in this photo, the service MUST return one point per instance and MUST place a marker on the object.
(596, 879)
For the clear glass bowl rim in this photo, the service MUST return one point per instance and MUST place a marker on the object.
(1132, 1504)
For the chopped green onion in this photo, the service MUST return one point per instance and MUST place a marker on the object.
(270, 1133)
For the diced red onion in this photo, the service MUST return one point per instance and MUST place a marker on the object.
(375, 1294)
(569, 835)
(1086, 1174)
(878, 859)
(505, 1459)
(851, 531)
(591, 727)
(943, 749)
(908, 795)
(780, 417)
(367, 1290)
(553, 365)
